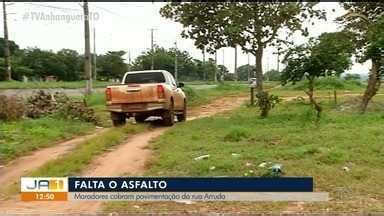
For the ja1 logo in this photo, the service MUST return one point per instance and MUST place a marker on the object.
(44, 184)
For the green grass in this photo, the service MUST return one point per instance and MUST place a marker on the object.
(328, 83)
(74, 161)
(197, 97)
(289, 136)
(19, 137)
(200, 96)
(46, 85)
(97, 102)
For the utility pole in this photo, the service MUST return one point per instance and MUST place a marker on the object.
(267, 68)
(94, 54)
(204, 71)
(235, 63)
(176, 77)
(278, 60)
(152, 51)
(7, 55)
(222, 72)
(215, 74)
(248, 72)
(129, 60)
(87, 54)
(223, 57)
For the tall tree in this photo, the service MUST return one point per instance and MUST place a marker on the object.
(111, 65)
(252, 26)
(44, 63)
(13, 47)
(330, 54)
(72, 61)
(272, 75)
(365, 21)
(244, 72)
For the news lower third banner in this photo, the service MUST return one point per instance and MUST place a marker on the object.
(169, 189)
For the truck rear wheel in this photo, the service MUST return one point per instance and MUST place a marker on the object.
(183, 116)
(118, 119)
(169, 116)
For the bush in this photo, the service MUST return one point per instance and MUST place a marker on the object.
(236, 134)
(12, 108)
(266, 102)
(190, 93)
(352, 77)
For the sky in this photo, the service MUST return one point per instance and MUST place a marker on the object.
(126, 26)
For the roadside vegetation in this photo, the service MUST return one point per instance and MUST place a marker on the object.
(344, 160)
(50, 84)
(197, 97)
(198, 94)
(19, 137)
(41, 121)
(328, 83)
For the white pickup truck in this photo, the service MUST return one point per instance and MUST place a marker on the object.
(146, 93)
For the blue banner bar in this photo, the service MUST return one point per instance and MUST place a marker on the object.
(190, 184)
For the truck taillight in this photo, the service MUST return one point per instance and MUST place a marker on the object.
(160, 91)
(108, 94)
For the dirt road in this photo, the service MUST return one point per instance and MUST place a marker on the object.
(128, 158)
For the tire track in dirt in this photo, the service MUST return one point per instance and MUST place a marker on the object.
(129, 157)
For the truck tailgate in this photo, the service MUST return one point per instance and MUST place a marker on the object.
(134, 93)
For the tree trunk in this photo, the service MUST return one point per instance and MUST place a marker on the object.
(374, 81)
(317, 107)
(259, 69)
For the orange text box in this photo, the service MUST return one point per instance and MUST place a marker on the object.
(44, 196)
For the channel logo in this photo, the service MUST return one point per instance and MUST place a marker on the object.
(44, 184)
(44, 188)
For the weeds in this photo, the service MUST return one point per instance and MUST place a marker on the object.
(11, 108)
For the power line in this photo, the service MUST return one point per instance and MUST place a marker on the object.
(131, 5)
(107, 10)
(53, 7)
